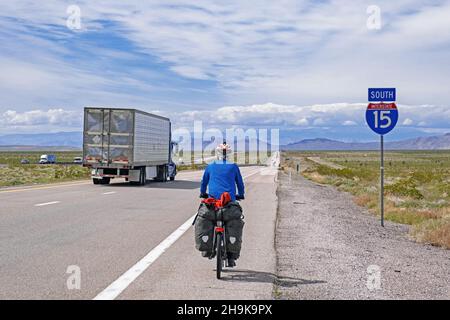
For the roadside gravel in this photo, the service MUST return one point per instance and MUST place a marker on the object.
(330, 248)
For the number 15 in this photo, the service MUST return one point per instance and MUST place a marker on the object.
(384, 115)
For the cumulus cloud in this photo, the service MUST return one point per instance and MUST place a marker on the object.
(333, 115)
(331, 120)
(407, 122)
(49, 118)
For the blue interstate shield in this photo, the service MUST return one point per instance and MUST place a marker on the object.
(381, 117)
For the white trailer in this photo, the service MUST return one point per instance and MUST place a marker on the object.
(127, 143)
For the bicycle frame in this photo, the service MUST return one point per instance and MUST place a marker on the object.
(220, 229)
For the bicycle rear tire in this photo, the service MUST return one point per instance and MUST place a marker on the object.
(219, 255)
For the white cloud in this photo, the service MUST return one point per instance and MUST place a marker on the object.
(291, 52)
(407, 122)
(302, 122)
(52, 117)
(333, 115)
(323, 117)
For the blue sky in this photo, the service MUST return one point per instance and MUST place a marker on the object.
(301, 66)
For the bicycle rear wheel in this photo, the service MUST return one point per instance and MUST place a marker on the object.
(219, 255)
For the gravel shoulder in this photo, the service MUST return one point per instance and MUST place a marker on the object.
(334, 249)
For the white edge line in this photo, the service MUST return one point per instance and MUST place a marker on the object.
(46, 203)
(40, 187)
(119, 285)
(110, 192)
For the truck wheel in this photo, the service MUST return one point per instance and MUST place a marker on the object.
(172, 178)
(166, 174)
(95, 181)
(161, 175)
(105, 180)
(143, 178)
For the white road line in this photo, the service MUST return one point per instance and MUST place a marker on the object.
(119, 285)
(46, 203)
(44, 187)
(110, 192)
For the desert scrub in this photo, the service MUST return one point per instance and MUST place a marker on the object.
(405, 188)
(327, 171)
(417, 185)
(34, 174)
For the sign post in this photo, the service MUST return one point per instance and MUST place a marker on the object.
(382, 179)
(382, 118)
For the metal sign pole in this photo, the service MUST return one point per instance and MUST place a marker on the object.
(382, 180)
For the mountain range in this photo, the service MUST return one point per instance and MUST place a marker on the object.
(57, 139)
(74, 140)
(422, 143)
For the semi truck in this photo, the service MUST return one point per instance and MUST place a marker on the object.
(127, 143)
(47, 158)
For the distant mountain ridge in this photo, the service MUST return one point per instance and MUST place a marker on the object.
(55, 139)
(421, 143)
(74, 140)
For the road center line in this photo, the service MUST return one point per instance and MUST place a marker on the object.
(46, 203)
(119, 285)
(110, 192)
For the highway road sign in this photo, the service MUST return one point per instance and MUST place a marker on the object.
(381, 117)
(382, 94)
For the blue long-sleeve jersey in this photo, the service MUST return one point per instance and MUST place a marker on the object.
(220, 177)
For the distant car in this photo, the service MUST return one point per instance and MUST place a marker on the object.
(78, 160)
(25, 161)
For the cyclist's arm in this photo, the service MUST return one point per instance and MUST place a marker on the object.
(205, 181)
(239, 182)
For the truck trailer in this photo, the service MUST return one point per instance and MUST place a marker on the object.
(127, 143)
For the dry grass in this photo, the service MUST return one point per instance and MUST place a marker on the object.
(436, 232)
(417, 184)
(362, 200)
(12, 173)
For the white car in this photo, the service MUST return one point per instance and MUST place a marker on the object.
(78, 160)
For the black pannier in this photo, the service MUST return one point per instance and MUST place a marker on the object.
(205, 223)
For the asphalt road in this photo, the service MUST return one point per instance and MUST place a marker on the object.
(105, 231)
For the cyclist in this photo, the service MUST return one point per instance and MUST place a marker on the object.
(223, 176)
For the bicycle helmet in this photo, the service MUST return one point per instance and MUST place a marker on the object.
(223, 150)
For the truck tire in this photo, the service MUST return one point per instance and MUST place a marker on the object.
(161, 173)
(95, 181)
(105, 180)
(172, 178)
(166, 174)
(143, 178)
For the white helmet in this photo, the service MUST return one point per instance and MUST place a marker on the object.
(223, 150)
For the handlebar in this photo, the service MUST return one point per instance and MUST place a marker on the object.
(206, 196)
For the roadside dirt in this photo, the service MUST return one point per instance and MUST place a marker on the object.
(337, 250)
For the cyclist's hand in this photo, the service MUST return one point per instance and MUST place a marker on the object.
(203, 195)
(239, 197)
